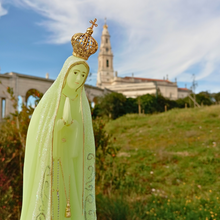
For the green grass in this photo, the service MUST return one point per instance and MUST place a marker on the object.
(171, 156)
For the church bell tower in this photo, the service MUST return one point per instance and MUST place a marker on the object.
(105, 60)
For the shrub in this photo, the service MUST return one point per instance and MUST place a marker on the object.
(13, 131)
(111, 105)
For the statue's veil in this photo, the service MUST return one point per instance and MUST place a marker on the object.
(37, 186)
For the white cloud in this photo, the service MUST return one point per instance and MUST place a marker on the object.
(3, 11)
(160, 37)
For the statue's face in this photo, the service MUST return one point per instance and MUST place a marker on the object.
(76, 77)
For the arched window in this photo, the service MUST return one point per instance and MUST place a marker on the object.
(33, 97)
(106, 49)
(106, 40)
(107, 63)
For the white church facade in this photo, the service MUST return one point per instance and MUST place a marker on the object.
(131, 86)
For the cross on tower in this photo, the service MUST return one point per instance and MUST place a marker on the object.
(93, 23)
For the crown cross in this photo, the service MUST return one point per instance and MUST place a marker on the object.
(93, 23)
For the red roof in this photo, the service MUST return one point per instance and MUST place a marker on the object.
(183, 89)
(146, 79)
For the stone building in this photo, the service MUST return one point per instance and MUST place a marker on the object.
(131, 86)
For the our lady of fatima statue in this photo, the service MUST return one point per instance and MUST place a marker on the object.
(59, 168)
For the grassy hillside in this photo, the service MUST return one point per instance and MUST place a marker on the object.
(172, 161)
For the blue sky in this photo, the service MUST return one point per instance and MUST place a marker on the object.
(150, 38)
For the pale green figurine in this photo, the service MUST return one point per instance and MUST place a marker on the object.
(59, 168)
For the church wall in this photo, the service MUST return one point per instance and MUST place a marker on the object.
(106, 77)
(103, 41)
(183, 93)
(134, 90)
(169, 91)
(135, 94)
(111, 63)
(102, 60)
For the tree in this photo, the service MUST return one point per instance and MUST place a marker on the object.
(217, 97)
(148, 103)
(204, 98)
(112, 105)
(131, 105)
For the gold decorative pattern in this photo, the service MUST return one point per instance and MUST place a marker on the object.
(64, 140)
(84, 45)
(89, 199)
(44, 194)
(68, 97)
(67, 210)
(83, 149)
(89, 206)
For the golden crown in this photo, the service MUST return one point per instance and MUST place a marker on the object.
(84, 45)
